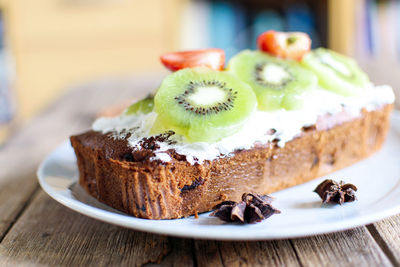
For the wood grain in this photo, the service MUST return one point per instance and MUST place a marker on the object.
(350, 248)
(268, 253)
(387, 235)
(48, 233)
(14, 196)
(74, 112)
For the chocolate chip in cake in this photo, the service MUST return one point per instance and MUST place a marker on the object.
(196, 183)
(128, 157)
(333, 192)
(179, 157)
(253, 208)
(309, 128)
(275, 141)
(142, 155)
(137, 156)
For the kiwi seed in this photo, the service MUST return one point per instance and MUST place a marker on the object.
(205, 110)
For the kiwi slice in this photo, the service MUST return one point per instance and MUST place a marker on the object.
(278, 83)
(202, 104)
(336, 72)
(145, 106)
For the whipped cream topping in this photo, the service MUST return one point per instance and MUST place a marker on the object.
(286, 124)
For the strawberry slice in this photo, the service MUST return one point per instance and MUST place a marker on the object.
(291, 45)
(213, 58)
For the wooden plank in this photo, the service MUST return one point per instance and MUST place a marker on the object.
(20, 156)
(387, 235)
(180, 253)
(50, 234)
(14, 194)
(268, 253)
(350, 248)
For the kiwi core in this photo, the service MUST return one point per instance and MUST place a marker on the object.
(272, 74)
(207, 96)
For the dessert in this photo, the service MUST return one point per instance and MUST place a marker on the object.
(267, 122)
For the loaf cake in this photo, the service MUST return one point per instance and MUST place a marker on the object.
(148, 163)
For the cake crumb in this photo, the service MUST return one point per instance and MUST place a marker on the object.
(196, 214)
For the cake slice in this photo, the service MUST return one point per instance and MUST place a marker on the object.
(210, 135)
(133, 181)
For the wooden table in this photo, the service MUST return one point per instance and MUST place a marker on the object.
(36, 230)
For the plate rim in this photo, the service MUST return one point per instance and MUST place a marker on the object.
(153, 226)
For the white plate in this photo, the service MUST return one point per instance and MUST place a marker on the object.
(377, 179)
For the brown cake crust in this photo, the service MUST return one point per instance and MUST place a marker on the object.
(129, 181)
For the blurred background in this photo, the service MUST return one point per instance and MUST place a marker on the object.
(48, 46)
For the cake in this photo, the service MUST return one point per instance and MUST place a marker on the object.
(152, 162)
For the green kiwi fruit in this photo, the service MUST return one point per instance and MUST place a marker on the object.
(202, 104)
(146, 105)
(336, 72)
(278, 83)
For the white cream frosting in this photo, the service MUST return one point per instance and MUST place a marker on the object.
(288, 124)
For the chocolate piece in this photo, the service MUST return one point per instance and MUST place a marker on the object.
(224, 211)
(151, 142)
(196, 183)
(336, 193)
(253, 208)
(238, 211)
